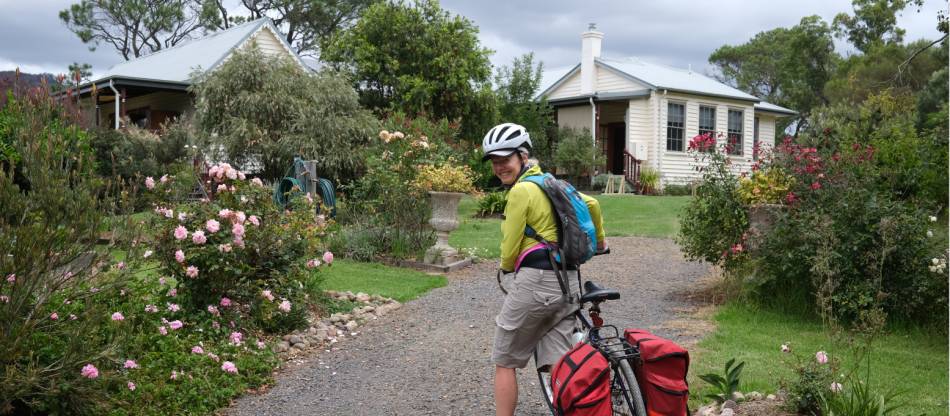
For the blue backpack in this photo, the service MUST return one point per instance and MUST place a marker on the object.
(576, 235)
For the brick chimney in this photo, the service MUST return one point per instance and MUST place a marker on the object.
(590, 49)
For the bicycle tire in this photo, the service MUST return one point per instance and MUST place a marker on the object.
(546, 390)
(630, 389)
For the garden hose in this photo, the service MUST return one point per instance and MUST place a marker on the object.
(284, 189)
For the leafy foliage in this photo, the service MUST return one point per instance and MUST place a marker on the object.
(727, 383)
(447, 177)
(516, 87)
(575, 153)
(492, 203)
(764, 187)
(260, 110)
(874, 22)
(133, 152)
(859, 399)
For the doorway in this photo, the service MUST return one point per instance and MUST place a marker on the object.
(616, 144)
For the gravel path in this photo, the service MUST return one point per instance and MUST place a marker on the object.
(432, 357)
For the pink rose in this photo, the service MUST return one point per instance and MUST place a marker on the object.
(213, 310)
(181, 232)
(312, 263)
(232, 174)
(162, 330)
(163, 179)
(241, 175)
(89, 371)
(213, 172)
(131, 386)
(174, 375)
(179, 256)
(222, 188)
(821, 357)
(236, 338)
(257, 181)
(212, 226)
(261, 344)
(199, 237)
(240, 217)
(11, 277)
(224, 213)
(172, 292)
(149, 183)
(118, 316)
(328, 257)
(225, 302)
(54, 316)
(130, 364)
(151, 308)
(4, 299)
(224, 248)
(214, 356)
(173, 307)
(197, 350)
(267, 294)
(176, 324)
(191, 272)
(238, 241)
(238, 230)
(254, 220)
(229, 367)
(284, 306)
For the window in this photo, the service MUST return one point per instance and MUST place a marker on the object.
(707, 123)
(755, 139)
(735, 132)
(674, 127)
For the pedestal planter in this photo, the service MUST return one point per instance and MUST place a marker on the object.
(444, 220)
(761, 219)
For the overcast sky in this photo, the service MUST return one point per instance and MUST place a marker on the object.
(678, 32)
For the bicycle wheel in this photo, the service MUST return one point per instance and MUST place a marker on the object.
(625, 394)
(544, 380)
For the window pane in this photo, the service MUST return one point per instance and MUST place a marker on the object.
(755, 139)
(735, 132)
(674, 127)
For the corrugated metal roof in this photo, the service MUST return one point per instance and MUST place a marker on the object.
(670, 78)
(176, 64)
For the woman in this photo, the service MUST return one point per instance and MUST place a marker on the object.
(535, 315)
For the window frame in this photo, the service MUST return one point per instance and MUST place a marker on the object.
(755, 138)
(734, 136)
(671, 128)
(712, 130)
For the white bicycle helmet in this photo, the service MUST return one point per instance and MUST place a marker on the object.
(505, 139)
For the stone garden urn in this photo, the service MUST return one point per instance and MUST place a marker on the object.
(761, 219)
(444, 220)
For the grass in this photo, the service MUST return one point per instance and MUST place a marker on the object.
(624, 215)
(906, 359)
(377, 279)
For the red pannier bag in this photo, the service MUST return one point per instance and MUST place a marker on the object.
(661, 373)
(580, 383)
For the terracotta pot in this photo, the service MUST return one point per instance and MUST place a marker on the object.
(444, 220)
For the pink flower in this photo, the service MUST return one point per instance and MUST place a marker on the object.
(224, 248)
(821, 357)
(238, 241)
(236, 338)
(161, 280)
(737, 248)
(199, 237)
(815, 186)
(309, 198)
(147, 254)
(118, 316)
(836, 387)
(225, 302)
(130, 364)
(11, 277)
(312, 263)
(163, 179)
(212, 226)
(162, 330)
(790, 198)
(240, 217)
(149, 183)
(241, 175)
(176, 324)
(213, 171)
(261, 345)
(213, 310)
(222, 188)
(229, 367)
(151, 308)
(173, 307)
(224, 213)
(191, 272)
(197, 350)
(4, 299)
(174, 375)
(213, 356)
(267, 294)
(131, 386)
(328, 257)
(284, 306)
(120, 265)
(215, 324)
(89, 371)
(172, 292)
(258, 182)
(54, 316)
(254, 220)
(181, 232)
(238, 230)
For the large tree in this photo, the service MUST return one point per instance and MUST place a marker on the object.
(515, 89)
(784, 66)
(418, 59)
(874, 22)
(134, 27)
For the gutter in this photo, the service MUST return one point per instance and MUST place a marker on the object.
(593, 132)
(116, 117)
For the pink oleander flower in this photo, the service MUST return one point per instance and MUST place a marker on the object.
(225, 302)
(213, 310)
(328, 257)
(149, 183)
(172, 292)
(254, 220)
(130, 364)
(229, 367)
(261, 345)
(179, 256)
(258, 182)
(162, 330)
(836, 387)
(212, 226)
(222, 188)
(312, 263)
(197, 350)
(214, 357)
(191, 272)
(199, 237)
(236, 338)
(151, 308)
(54, 316)
(173, 307)
(238, 230)
(175, 325)
(181, 232)
(131, 386)
(284, 306)
(11, 277)
(118, 316)
(89, 371)
(147, 254)
(268, 295)
(224, 213)
(821, 357)
(163, 179)
(224, 248)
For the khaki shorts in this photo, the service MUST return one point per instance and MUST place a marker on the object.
(535, 315)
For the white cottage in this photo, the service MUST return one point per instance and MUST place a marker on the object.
(153, 88)
(644, 114)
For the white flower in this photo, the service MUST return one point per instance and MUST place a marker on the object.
(933, 218)
(930, 233)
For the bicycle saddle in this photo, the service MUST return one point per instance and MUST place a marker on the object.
(595, 293)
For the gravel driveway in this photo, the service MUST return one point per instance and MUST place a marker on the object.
(432, 357)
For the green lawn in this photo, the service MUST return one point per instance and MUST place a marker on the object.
(910, 360)
(624, 215)
(377, 279)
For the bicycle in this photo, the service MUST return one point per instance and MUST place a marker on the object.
(624, 389)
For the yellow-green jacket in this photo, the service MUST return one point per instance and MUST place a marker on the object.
(528, 205)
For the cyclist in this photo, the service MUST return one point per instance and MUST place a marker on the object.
(535, 316)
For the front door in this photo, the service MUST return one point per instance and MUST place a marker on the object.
(616, 144)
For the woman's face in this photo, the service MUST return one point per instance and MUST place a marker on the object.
(507, 168)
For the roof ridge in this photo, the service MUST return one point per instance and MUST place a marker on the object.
(258, 21)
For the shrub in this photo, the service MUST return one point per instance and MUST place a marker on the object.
(133, 152)
(813, 380)
(444, 178)
(576, 154)
(678, 190)
(492, 203)
(649, 180)
(764, 187)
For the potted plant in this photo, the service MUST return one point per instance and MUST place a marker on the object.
(445, 184)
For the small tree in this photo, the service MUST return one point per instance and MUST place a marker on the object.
(257, 109)
(516, 87)
(576, 154)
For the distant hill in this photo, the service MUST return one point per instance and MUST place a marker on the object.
(32, 80)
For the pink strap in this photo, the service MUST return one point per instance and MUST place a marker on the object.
(533, 248)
